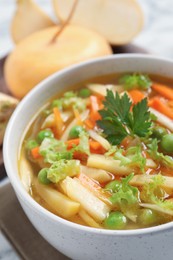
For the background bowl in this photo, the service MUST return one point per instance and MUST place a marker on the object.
(76, 241)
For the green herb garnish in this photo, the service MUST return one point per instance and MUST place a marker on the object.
(118, 121)
(133, 81)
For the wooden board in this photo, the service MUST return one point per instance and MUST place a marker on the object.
(19, 231)
(130, 48)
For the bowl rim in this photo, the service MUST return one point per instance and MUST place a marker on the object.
(24, 195)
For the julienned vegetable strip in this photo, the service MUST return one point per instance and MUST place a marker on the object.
(95, 188)
(94, 146)
(103, 142)
(136, 95)
(88, 219)
(94, 108)
(100, 89)
(162, 119)
(159, 105)
(72, 143)
(58, 121)
(83, 117)
(86, 181)
(77, 192)
(163, 90)
(35, 153)
(56, 201)
(94, 104)
(99, 175)
(77, 116)
(89, 124)
(109, 164)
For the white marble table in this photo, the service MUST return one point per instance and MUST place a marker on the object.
(157, 37)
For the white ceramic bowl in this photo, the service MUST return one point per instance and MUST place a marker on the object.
(76, 241)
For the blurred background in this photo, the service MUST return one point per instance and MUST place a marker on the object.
(156, 37)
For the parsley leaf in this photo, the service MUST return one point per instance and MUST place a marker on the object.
(118, 121)
(118, 105)
(133, 81)
(141, 119)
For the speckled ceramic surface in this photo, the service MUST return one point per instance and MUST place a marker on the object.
(79, 242)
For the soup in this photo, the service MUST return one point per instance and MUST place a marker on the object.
(100, 155)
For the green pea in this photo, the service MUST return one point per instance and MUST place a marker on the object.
(159, 132)
(31, 144)
(167, 143)
(42, 176)
(115, 220)
(75, 131)
(113, 186)
(85, 92)
(147, 217)
(43, 134)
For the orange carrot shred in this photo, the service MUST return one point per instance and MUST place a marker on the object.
(89, 124)
(72, 143)
(136, 95)
(94, 187)
(80, 156)
(58, 121)
(95, 106)
(94, 103)
(77, 116)
(163, 90)
(159, 105)
(86, 181)
(35, 153)
(96, 147)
